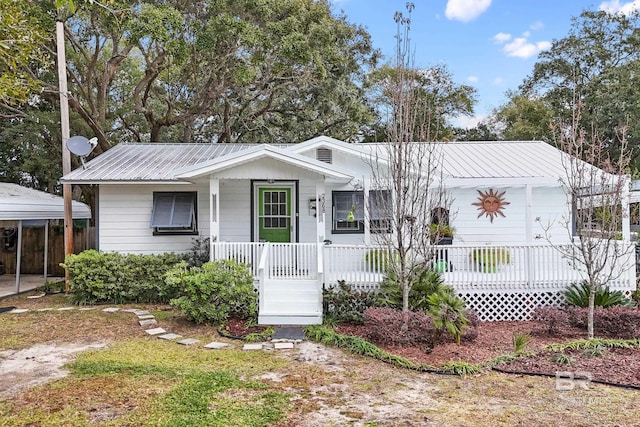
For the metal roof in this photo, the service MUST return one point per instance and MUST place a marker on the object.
(148, 162)
(21, 203)
(467, 161)
(498, 159)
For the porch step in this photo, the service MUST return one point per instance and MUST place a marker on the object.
(289, 319)
(288, 306)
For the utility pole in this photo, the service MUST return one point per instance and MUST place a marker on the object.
(66, 155)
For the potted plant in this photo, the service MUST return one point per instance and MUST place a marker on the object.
(490, 259)
(441, 234)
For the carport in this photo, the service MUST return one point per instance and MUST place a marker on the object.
(22, 206)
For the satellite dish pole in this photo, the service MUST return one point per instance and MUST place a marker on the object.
(66, 155)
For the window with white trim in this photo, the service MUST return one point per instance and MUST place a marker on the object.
(174, 213)
(348, 212)
(380, 211)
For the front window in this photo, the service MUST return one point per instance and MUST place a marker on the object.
(380, 211)
(348, 212)
(174, 213)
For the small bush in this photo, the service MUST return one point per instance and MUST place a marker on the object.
(424, 282)
(578, 296)
(111, 277)
(470, 333)
(448, 313)
(199, 253)
(520, 342)
(551, 318)
(345, 304)
(213, 292)
(615, 322)
(386, 327)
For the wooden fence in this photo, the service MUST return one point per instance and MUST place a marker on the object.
(33, 249)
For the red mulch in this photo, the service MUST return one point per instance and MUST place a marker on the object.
(239, 328)
(617, 366)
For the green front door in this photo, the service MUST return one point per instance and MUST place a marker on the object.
(274, 214)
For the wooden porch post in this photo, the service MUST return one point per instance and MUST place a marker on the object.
(214, 215)
(320, 210)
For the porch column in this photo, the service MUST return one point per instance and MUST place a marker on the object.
(18, 256)
(367, 224)
(320, 210)
(529, 213)
(529, 232)
(214, 214)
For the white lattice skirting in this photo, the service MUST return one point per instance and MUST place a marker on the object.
(495, 306)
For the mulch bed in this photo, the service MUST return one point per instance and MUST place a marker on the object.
(616, 366)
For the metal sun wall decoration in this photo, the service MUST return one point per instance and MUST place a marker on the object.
(491, 204)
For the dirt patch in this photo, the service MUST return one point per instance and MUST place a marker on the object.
(37, 365)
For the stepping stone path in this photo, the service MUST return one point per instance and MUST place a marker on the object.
(170, 336)
(284, 338)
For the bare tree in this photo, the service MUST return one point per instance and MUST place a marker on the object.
(597, 188)
(405, 172)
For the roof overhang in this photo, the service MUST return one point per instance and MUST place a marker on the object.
(18, 203)
(262, 152)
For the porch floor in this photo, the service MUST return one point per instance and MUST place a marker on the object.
(28, 282)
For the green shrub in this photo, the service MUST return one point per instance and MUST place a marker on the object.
(424, 281)
(578, 295)
(448, 313)
(200, 251)
(214, 292)
(343, 304)
(111, 277)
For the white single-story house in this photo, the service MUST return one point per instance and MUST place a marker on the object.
(25, 207)
(284, 209)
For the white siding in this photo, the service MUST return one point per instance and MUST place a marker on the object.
(235, 210)
(125, 216)
(548, 203)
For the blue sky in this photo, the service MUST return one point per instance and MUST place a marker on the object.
(489, 44)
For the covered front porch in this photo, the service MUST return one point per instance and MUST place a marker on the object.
(290, 277)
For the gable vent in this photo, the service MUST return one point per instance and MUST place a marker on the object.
(324, 155)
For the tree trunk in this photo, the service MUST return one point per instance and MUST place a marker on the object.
(592, 298)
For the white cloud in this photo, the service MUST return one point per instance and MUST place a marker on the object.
(536, 26)
(466, 10)
(614, 6)
(520, 47)
(497, 81)
(467, 122)
(501, 38)
(473, 79)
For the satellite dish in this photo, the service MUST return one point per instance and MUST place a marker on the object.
(81, 146)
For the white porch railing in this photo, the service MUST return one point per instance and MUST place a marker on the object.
(534, 274)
